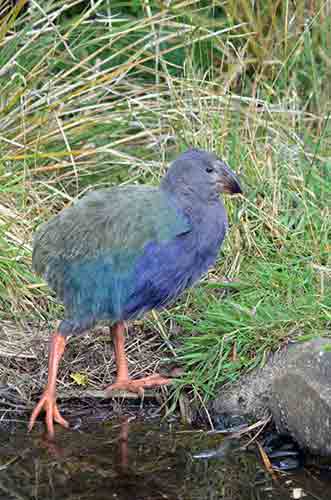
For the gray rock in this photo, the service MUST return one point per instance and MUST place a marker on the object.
(295, 387)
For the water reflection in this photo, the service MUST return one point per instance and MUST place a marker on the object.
(130, 460)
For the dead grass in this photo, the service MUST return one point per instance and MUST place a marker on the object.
(88, 365)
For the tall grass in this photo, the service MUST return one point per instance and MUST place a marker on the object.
(98, 93)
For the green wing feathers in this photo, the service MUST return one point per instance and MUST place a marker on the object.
(110, 220)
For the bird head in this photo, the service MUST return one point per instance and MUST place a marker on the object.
(203, 173)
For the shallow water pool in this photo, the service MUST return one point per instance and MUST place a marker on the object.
(128, 459)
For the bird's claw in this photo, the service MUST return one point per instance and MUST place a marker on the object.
(138, 385)
(48, 403)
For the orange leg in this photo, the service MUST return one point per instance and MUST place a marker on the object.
(48, 400)
(123, 381)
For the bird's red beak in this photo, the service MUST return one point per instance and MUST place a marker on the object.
(228, 181)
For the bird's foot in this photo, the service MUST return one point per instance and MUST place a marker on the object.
(138, 385)
(48, 404)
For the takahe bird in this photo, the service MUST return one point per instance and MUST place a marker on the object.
(118, 253)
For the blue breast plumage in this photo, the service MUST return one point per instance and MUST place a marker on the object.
(120, 252)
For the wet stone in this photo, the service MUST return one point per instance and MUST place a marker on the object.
(301, 402)
(295, 387)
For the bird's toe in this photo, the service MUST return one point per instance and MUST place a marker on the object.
(48, 404)
(138, 385)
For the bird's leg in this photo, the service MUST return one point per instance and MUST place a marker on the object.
(118, 332)
(48, 399)
(123, 381)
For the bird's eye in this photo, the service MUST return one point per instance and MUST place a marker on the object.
(209, 169)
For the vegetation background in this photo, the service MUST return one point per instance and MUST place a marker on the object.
(100, 93)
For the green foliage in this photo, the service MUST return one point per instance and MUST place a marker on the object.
(95, 94)
(276, 302)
